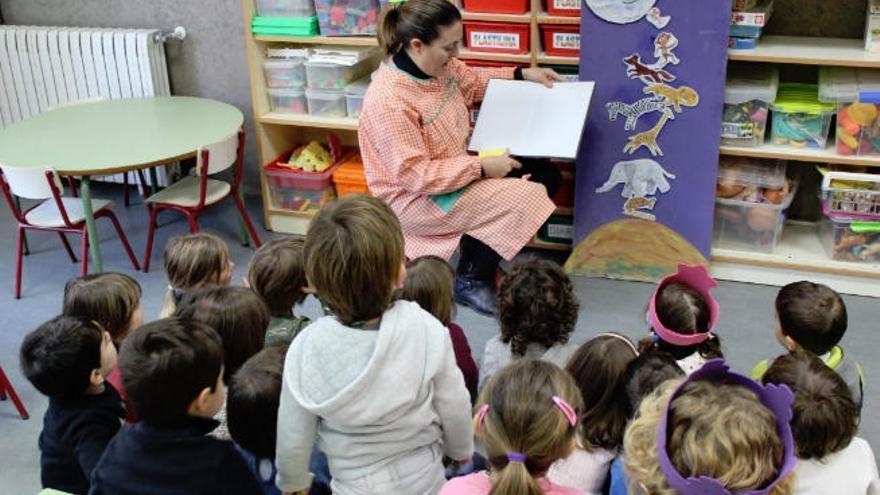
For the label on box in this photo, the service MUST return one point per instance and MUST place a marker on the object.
(501, 41)
(737, 130)
(567, 4)
(758, 19)
(560, 231)
(567, 41)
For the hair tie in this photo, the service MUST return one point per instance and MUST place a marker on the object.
(566, 409)
(516, 457)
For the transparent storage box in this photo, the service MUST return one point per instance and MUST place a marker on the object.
(326, 75)
(347, 17)
(747, 96)
(756, 172)
(288, 100)
(354, 96)
(326, 103)
(298, 190)
(799, 118)
(851, 194)
(285, 73)
(850, 239)
(856, 92)
(750, 226)
(285, 8)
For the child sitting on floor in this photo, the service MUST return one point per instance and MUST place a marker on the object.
(717, 432)
(537, 310)
(682, 314)
(527, 419)
(173, 372)
(193, 261)
(812, 317)
(277, 275)
(429, 281)
(831, 459)
(67, 358)
(113, 300)
(376, 382)
(598, 368)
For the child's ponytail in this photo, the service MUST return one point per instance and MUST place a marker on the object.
(514, 479)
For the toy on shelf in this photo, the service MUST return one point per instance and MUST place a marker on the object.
(747, 96)
(799, 118)
(310, 158)
(295, 189)
(347, 17)
(856, 92)
(848, 239)
(851, 194)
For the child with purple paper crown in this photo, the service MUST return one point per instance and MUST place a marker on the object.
(672, 447)
(683, 314)
(526, 420)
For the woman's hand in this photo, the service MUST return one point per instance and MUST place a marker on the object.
(498, 166)
(542, 75)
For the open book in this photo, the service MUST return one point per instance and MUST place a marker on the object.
(532, 120)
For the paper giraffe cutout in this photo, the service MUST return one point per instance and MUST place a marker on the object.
(663, 46)
(674, 97)
(620, 11)
(636, 110)
(648, 139)
(640, 178)
(657, 20)
(648, 75)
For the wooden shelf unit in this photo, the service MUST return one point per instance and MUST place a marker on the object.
(800, 253)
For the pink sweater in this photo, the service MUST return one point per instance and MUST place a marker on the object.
(481, 484)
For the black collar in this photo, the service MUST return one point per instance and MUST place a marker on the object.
(405, 63)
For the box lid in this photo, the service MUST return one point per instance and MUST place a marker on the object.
(745, 171)
(286, 92)
(848, 85)
(800, 98)
(358, 88)
(751, 82)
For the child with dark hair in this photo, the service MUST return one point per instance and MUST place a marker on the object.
(831, 459)
(240, 317)
(113, 300)
(812, 317)
(376, 381)
(173, 372)
(537, 310)
(682, 314)
(277, 274)
(429, 281)
(67, 359)
(598, 369)
(642, 377)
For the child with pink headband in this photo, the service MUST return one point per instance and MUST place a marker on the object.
(527, 418)
(683, 314)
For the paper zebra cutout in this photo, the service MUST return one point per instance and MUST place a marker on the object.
(634, 111)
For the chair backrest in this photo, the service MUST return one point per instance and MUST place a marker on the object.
(30, 182)
(221, 155)
(74, 103)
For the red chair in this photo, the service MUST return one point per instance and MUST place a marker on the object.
(54, 214)
(6, 389)
(194, 194)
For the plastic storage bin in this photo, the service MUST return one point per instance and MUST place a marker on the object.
(354, 96)
(285, 73)
(750, 226)
(851, 194)
(496, 37)
(350, 178)
(558, 229)
(285, 8)
(296, 190)
(497, 6)
(568, 8)
(564, 41)
(736, 173)
(856, 92)
(288, 100)
(347, 17)
(326, 103)
(799, 118)
(747, 97)
(848, 239)
(330, 76)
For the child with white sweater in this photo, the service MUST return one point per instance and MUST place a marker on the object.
(375, 382)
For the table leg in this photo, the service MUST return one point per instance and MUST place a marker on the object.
(85, 192)
(27, 250)
(154, 180)
(242, 229)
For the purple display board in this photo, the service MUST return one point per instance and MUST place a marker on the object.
(645, 183)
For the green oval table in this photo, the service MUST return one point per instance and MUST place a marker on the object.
(115, 136)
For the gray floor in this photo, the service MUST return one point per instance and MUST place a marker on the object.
(745, 328)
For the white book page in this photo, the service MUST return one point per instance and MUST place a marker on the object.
(532, 120)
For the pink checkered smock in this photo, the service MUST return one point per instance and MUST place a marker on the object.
(413, 138)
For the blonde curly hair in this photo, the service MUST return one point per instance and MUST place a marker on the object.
(715, 429)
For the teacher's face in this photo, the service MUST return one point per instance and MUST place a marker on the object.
(433, 57)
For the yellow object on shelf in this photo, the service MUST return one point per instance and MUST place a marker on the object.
(311, 158)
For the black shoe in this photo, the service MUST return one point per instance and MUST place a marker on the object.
(479, 295)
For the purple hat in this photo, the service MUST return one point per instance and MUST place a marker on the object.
(777, 398)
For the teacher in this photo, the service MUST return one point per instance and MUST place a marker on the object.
(413, 136)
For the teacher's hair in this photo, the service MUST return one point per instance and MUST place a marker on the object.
(403, 22)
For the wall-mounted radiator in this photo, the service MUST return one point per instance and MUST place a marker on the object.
(46, 67)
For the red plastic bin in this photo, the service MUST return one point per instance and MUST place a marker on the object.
(496, 37)
(567, 8)
(497, 6)
(564, 41)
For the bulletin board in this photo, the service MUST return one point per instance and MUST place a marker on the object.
(645, 183)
